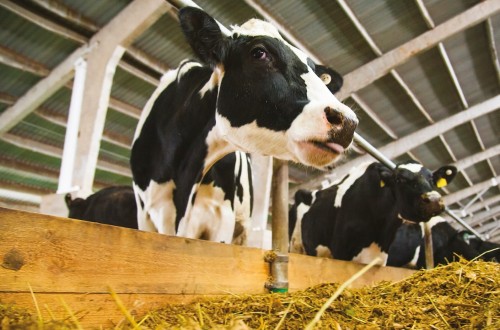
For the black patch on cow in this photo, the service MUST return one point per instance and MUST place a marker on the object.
(448, 244)
(269, 91)
(171, 145)
(112, 205)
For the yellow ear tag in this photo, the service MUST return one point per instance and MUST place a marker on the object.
(441, 183)
(382, 183)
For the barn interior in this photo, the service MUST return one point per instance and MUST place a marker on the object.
(423, 77)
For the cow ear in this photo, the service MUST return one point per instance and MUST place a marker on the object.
(332, 79)
(386, 177)
(203, 34)
(443, 176)
(68, 200)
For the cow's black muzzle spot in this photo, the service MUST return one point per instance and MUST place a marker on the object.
(342, 131)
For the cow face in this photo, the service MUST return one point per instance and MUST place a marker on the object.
(271, 100)
(415, 189)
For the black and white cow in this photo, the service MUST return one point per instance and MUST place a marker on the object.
(356, 219)
(112, 205)
(489, 251)
(408, 247)
(256, 93)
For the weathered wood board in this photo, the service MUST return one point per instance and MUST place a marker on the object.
(79, 262)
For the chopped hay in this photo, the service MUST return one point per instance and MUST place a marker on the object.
(461, 295)
(12, 317)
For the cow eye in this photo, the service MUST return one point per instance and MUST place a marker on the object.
(259, 53)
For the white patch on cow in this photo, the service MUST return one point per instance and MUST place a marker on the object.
(433, 194)
(165, 80)
(242, 208)
(211, 84)
(323, 252)
(256, 27)
(413, 262)
(369, 253)
(184, 67)
(415, 168)
(296, 244)
(251, 138)
(211, 217)
(217, 148)
(354, 175)
(433, 221)
(159, 212)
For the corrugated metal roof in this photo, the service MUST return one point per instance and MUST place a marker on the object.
(416, 94)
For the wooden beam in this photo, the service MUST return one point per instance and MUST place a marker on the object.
(490, 226)
(478, 157)
(40, 92)
(80, 261)
(149, 11)
(21, 62)
(379, 67)
(479, 218)
(43, 22)
(373, 115)
(464, 193)
(493, 47)
(67, 13)
(481, 205)
(56, 152)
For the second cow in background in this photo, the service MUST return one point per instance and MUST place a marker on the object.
(357, 218)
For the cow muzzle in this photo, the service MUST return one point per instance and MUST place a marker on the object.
(342, 127)
(432, 203)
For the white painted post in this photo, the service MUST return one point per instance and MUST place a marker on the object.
(262, 170)
(72, 129)
(102, 63)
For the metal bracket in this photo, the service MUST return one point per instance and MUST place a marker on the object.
(278, 272)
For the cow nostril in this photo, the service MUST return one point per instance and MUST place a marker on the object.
(334, 117)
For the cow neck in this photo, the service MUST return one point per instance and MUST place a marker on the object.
(217, 148)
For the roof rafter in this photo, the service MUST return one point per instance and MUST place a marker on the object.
(368, 73)
(464, 193)
(56, 152)
(65, 71)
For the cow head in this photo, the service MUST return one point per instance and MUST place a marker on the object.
(415, 187)
(76, 207)
(271, 100)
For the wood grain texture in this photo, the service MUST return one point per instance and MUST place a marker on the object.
(80, 261)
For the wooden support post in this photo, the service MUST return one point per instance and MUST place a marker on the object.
(429, 250)
(279, 258)
(280, 206)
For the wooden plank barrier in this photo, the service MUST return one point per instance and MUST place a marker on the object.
(76, 263)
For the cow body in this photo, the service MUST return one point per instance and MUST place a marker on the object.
(257, 94)
(489, 251)
(408, 247)
(112, 205)
(357, 218)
